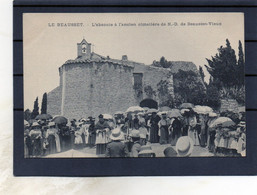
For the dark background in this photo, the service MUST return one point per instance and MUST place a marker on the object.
(137, 166)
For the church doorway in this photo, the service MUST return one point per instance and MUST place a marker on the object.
(150, 103)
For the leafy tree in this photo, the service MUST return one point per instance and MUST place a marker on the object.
(188, 88)
(212, 96)
(162, 63)
(227, 74)
(35, 109)
(149, 91)
(237, 93)
(164, 94)
(156, 63)
(27, 115)
(44, 104)
(201, 72)
(224, 63)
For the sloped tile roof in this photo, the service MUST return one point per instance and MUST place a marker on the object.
(99, 58)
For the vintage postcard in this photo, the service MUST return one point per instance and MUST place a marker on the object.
(105, 85)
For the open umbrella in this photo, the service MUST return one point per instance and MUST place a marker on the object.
(184, 110)
(135, 109)
(202, 109)
(186, 105)
(72, 154)
(213, 114)
(151, 110)
(163, 112)
(223, 121)
(119, 113)
(164, 108)
(26, 123)
(145, 108)
(107, 116)
(174, 113)
(43, 117)
(60, 120)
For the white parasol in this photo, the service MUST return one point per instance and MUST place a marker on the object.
(202, 109)
(223, 122)
(174, 113)
(107, 116)
(119, 113)
(135, 109)
(164, 108)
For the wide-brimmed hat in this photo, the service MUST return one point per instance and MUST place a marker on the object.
(117, 134)
(146, 149)
(50, 124)
(184, 146)
(163, 113)
(170, 152)
(135, 133)
(35, 124)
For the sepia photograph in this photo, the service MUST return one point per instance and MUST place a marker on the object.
(128, 85)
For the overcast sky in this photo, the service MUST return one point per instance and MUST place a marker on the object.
(47, 47)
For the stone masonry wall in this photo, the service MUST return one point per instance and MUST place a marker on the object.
(54, 101)
(186, 66)
(152, 76)
(182, 65)
(94, 88)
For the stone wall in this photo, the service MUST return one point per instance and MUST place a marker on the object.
(89, 88)
(229, 105)
(54, 101)
(151, 77)
(185, 66)
(95, 87)
(182, 65)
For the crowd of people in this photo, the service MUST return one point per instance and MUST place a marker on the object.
(132, 134)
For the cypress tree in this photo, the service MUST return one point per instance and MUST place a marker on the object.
(35, 109)
(44, 104)
(241, 64)
(223, 66)
(201, 72)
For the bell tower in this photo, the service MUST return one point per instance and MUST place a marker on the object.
(84, 49)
